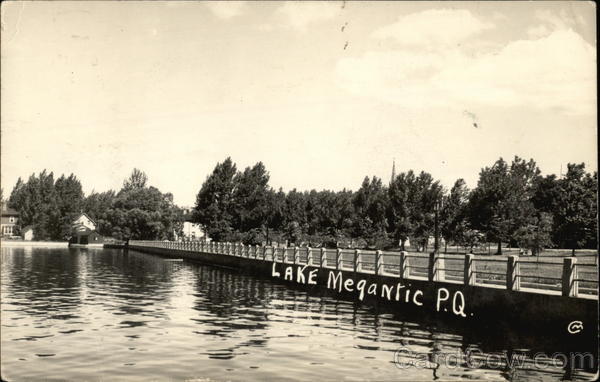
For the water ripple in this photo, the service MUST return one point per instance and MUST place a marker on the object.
(71, 314)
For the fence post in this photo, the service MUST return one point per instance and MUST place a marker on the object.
(296, 255)
(323, 257)
(379, 262)
(570, 285)
(338, 259)
(440, 269)
(357, 260)
(403, 266)
(308, 256)
(512, 273)
(469, 275)
(264, 252)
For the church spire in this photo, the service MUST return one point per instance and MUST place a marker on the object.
(393, 171)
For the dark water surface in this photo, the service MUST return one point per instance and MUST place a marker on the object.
(102, 314)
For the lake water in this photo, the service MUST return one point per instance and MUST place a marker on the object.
(103, 314)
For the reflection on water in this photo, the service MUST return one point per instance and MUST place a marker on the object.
(91, 314)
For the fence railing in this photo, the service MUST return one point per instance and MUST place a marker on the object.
(568, 277)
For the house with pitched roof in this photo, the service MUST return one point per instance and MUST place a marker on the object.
(9, 222)
(83, 231)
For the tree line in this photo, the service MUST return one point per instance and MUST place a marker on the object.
(512, 204)
(136, 211)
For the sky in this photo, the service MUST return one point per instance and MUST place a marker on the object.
(323, 94)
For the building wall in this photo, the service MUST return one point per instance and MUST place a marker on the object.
(84, 221)
(8, 229)
(9, 219)
(28, 235)
(8, 224)
(192, 231)
(86, 238)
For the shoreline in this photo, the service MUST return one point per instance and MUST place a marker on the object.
(49, 244)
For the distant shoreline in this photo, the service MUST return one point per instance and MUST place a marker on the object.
(18, 243)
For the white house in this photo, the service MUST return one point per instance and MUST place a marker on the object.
(83, 222)
(193, 231)
(27, 233)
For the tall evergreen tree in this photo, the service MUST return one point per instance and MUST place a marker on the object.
(250, 198)
(69, 200)
(37, 205)
(215, 202)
